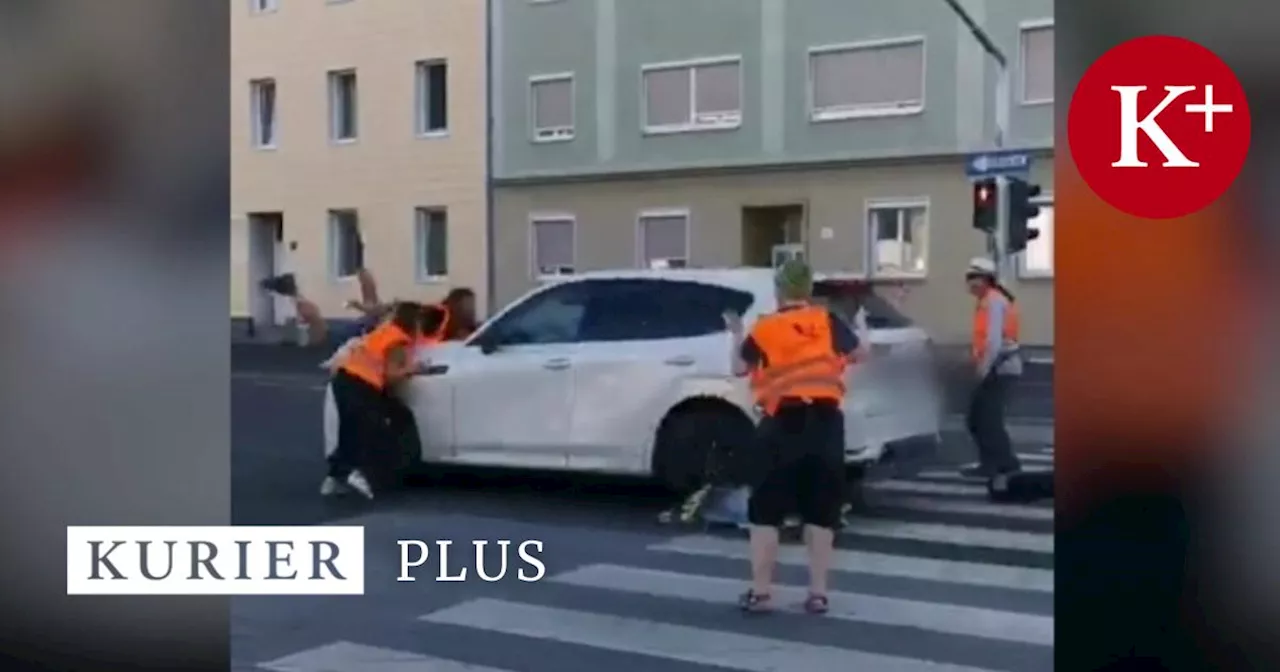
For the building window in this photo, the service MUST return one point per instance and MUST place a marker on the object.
(262, 102)
(346, 248)
(866, 80)
(664, 239)
(1037, 64)
(551, 107)
(432, 115)
(1037, 260)
(263, 6)
(432, 236)
(343, 106)
(553, 245)
(898, 238)
(706, 95)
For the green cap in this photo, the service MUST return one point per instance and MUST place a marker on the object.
(794, 280)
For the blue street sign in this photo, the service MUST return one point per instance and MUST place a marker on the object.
(1002, 162)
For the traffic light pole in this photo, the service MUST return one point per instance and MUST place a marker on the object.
(998, 241)
(1000, 237)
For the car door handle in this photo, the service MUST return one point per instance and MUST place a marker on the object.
(680, 360)
(556, 364)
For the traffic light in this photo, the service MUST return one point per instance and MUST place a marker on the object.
(1021, 212)
(985, 204)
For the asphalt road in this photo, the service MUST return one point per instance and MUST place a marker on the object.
(930, 574)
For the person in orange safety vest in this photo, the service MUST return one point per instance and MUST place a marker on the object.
(796, 360)
(380, 359)
(996, 361)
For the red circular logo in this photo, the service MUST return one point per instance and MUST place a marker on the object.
(1159, 127)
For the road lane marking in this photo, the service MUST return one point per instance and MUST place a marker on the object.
(945, 618)
(345, 657)
(725, 650)
(879, 564)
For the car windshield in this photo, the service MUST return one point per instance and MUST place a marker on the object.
(846, 297)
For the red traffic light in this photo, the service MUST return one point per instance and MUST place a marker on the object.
(984, 194)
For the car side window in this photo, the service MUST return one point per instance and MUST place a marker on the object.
(552, 316)
(653, 309)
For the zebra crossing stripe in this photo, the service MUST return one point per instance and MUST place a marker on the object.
(725, 650)
(927, 488)
(880, 564)
(944, 618)
(978, 537)
(927, 505)
(345, 656)
(1037, 458)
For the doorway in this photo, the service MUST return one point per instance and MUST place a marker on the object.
(268, 257)
(772, 234)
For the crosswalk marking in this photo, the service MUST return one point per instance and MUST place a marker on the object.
(348, 657)
(981, 537)
(946, 618)
(725, 650)
(957, 477)
(1037, 458)
(927, 505)
(861, 562)
(927, 488)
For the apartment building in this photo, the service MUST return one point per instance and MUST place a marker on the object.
(358, 139)
(740, 132)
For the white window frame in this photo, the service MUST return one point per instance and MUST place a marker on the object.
(1025, 273)
(729, 122)
(421, 103)
(332, 79)
(535, 218)
(1024, 28)
(258, 7)
(334, 255)
(652, 213)
(421, 235)
(255, 114)
(818, 116)
(869, 233)
(553, 134)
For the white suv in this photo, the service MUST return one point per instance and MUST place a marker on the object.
(627, 372)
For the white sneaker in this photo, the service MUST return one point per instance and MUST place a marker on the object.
(332, 486)
(361, 485)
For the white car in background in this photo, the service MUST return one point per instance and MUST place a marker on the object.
(628, 373)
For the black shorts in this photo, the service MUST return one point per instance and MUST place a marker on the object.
(805, 448)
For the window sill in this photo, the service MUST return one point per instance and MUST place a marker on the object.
(432, 135)
(1036, 103)
(1035, 276)
(822, 116)
(692, 128)
(899, 277)
(432, 279)
(264, 148)
(343, 142)
(551, 140)
(263, 12)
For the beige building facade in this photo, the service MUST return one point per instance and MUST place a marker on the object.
(358, 139)
(833, 214)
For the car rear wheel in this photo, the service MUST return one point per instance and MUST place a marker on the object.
(705, 441)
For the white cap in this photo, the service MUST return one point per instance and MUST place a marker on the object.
(981, 265)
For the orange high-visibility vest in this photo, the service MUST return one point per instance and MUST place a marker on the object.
(799, 362)
(368, 360)
(981, 323)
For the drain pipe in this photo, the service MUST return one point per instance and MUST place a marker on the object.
(490, 252)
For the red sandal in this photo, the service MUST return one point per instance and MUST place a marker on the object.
(817, 604)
